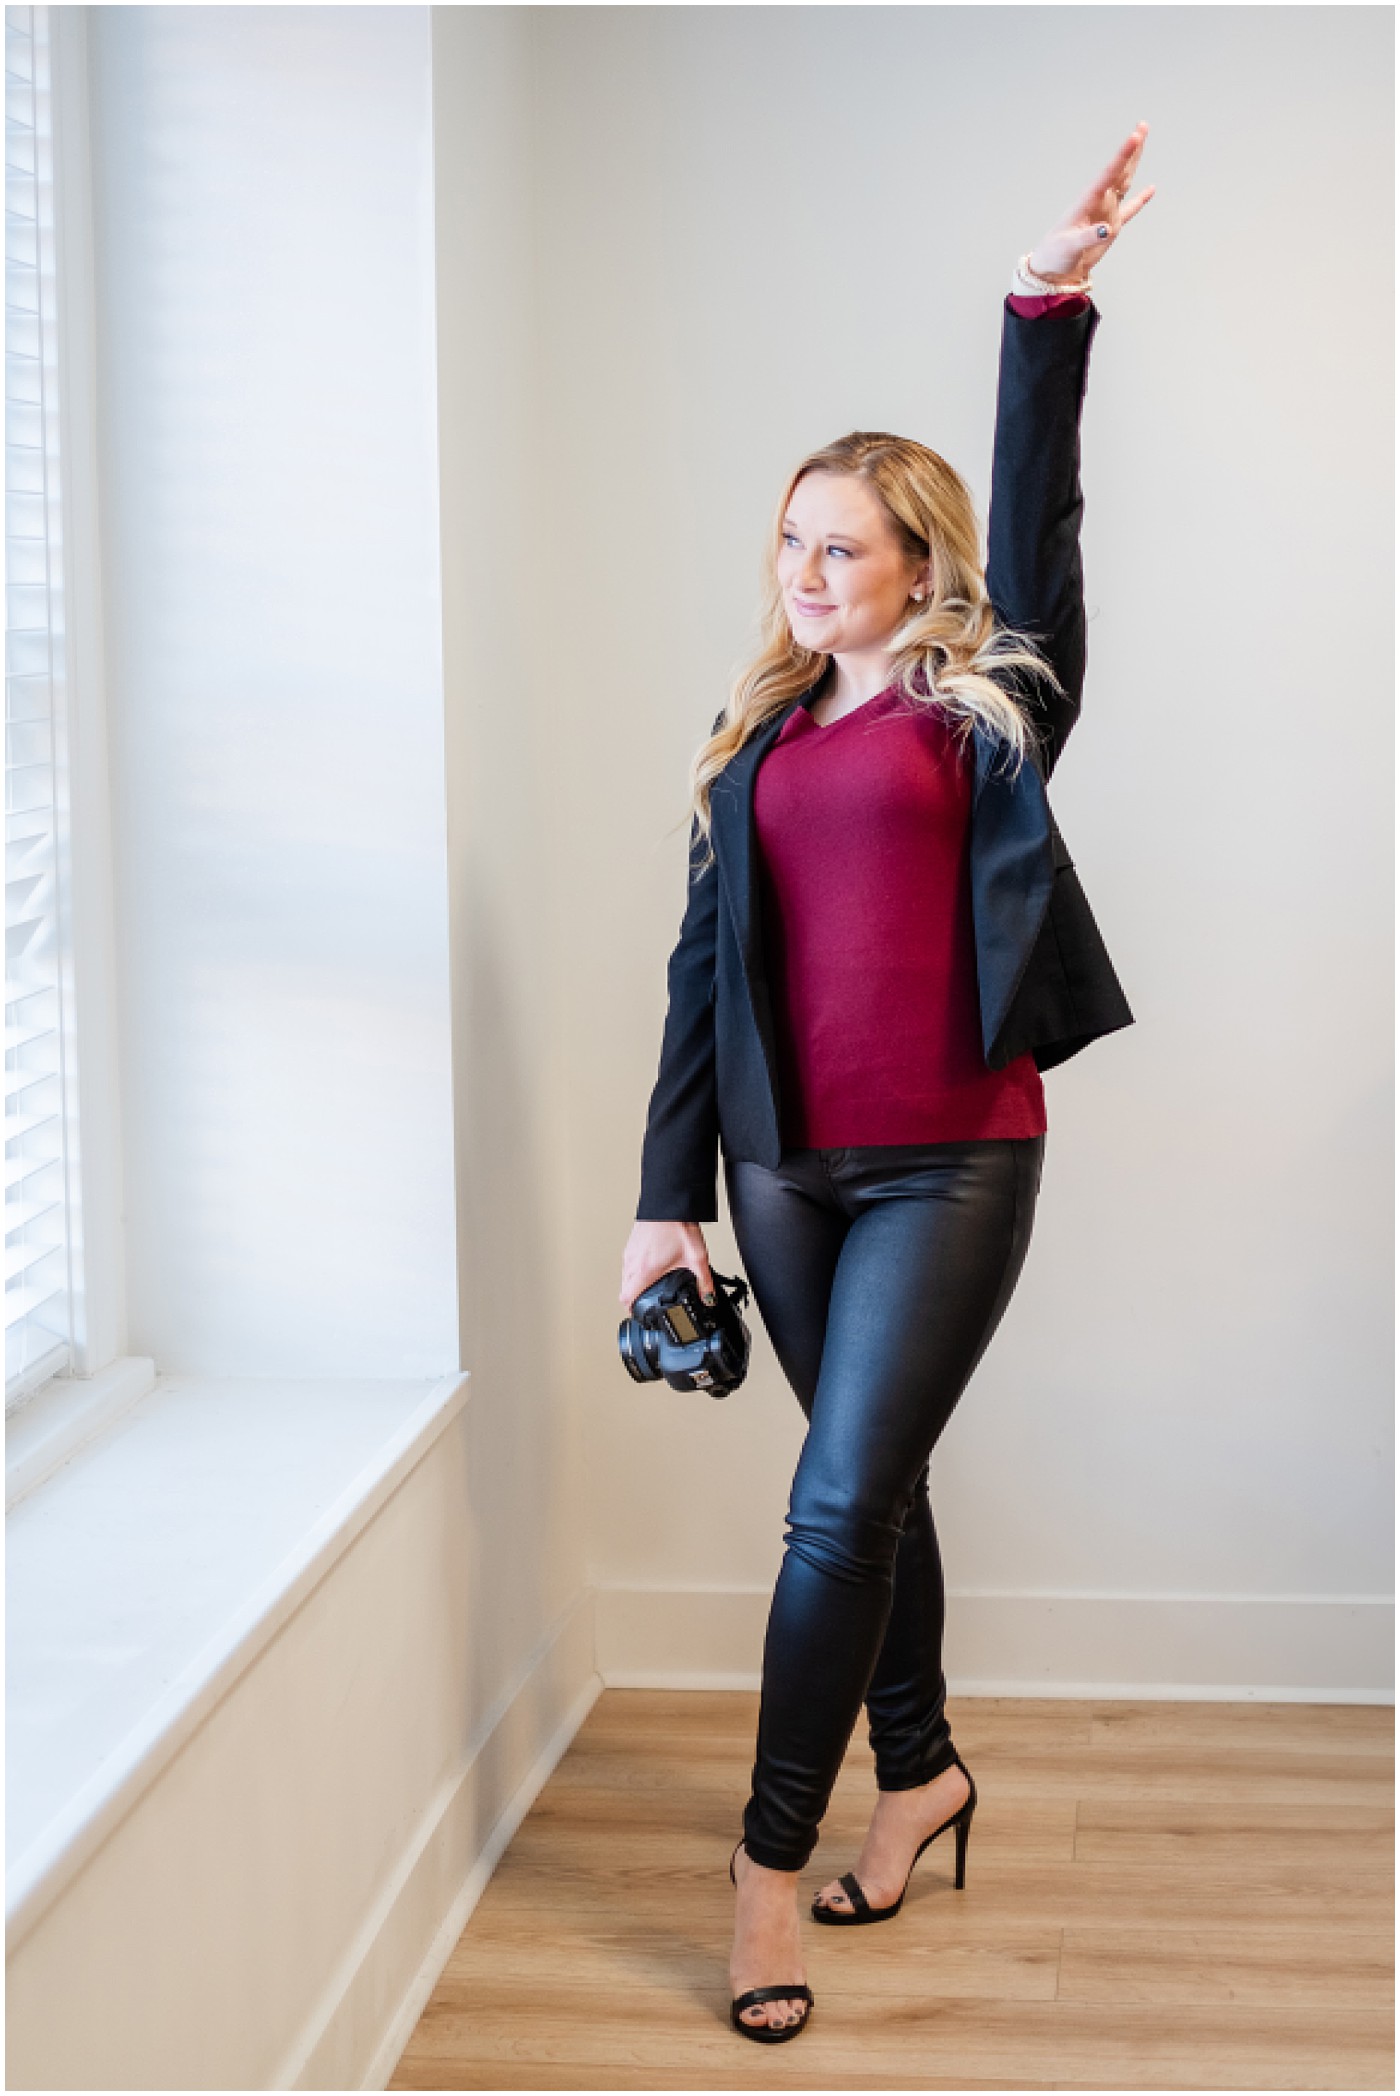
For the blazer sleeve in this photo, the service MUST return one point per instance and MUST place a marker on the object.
(1035, 576)
(680, 1147)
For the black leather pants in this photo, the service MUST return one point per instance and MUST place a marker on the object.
(880, 1275)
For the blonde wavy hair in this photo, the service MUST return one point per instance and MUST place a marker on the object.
(948, 653)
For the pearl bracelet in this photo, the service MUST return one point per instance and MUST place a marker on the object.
(1041, 287)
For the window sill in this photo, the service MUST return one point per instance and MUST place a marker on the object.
(149, 1567)
(64, 1415)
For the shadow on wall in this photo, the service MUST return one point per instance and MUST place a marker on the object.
(522, 1481)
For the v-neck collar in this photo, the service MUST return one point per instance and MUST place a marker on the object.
(803, 713)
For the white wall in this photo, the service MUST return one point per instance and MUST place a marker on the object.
(508, 881)
(264, 239)
(758, 228)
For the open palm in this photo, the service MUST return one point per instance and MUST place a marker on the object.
(1073, 247)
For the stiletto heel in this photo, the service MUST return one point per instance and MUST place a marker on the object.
(756, 1996)
(862, 1911)
(964, 1827)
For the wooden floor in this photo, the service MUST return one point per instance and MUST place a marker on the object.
(1159, 1896)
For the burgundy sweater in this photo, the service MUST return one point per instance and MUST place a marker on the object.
(867, 915)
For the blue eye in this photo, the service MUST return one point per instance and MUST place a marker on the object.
(790, 539)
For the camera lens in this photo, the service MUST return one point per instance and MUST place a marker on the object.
(638, 1346)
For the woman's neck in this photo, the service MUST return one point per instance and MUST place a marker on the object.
(848, 681)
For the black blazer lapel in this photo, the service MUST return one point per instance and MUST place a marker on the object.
(736, 842)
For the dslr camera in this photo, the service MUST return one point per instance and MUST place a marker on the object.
(692, 1345)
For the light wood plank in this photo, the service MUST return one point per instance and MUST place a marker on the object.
(1337, 1728)
(1327, 1837)
(1331, 1968)
(962, 2042)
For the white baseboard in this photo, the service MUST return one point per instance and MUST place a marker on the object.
(1302, 1648)
(448, 1861)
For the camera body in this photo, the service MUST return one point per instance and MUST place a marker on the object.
(673, 1336)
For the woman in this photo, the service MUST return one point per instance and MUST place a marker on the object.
(884, 945)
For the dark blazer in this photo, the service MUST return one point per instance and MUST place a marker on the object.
(1045, 981)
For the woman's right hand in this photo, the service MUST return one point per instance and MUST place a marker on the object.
(654, 1249)
(1088, 230)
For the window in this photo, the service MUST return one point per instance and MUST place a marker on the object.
(40, 1136)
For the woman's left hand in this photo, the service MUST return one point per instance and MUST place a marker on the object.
(1087, 232)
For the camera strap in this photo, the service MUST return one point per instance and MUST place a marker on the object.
(736, 1283)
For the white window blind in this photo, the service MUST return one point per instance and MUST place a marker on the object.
(40, 1218)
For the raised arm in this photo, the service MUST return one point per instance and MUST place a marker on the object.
(1034, 571)
(1035, 575)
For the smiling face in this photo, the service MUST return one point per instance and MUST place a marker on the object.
(843, 571)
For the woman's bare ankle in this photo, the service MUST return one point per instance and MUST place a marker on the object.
(763, 1883)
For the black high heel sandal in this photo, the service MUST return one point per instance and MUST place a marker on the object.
(765, 2033)
(863, 1912)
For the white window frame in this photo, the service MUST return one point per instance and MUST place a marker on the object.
(95, 1337)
